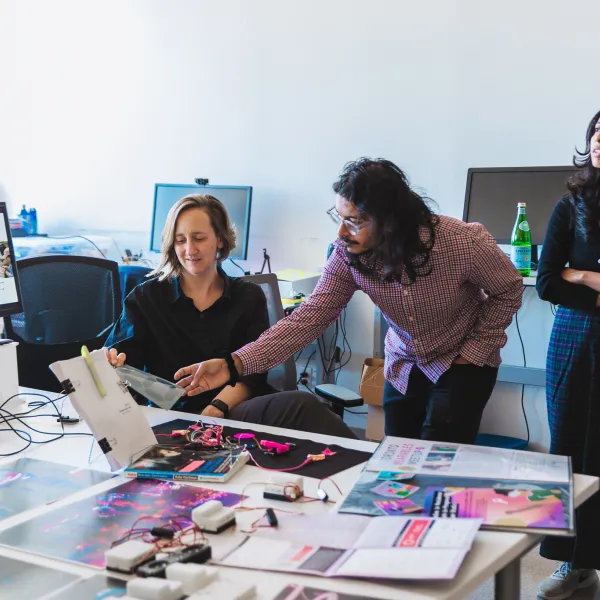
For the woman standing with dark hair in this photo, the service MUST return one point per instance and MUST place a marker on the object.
(427, 274)
(573, 363)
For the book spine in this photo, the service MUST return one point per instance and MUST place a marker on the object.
(150, 474)
(185, 477)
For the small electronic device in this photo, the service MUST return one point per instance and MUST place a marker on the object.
(196, 554)
(276, 447)
(322, 495)
(283, 486)
(271, 517)
(192, 577)
(213, 517)
(153, 588)
(125, 557)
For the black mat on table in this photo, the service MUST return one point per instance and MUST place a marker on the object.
(342, 460)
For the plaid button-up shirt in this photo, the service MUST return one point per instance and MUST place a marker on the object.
(462, 307)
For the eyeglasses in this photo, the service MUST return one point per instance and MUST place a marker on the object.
(353, 228)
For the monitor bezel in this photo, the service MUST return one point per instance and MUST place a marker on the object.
(473, 170)
(236, 256)
(6, 310)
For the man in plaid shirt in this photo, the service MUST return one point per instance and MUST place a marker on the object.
(445, 288)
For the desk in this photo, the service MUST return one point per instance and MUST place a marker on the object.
(493, 554)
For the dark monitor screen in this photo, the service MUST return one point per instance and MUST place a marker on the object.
(492, 196)
(236, 199)
(10, 291)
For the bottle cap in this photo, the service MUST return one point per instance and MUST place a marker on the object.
(523, 204)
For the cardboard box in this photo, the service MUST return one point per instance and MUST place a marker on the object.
(371, 390)
(375, 423)
(372, 381)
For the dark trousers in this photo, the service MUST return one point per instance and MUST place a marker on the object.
(573, 400)
(292, 410)
(447, 411)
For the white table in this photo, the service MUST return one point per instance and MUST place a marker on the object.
(494, 554)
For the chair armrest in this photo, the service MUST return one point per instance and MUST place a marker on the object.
(336, 394)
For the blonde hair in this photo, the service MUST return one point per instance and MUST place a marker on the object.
(169, 265)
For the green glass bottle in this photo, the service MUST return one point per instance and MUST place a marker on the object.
(520, 242)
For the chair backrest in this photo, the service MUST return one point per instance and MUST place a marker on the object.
(68, 301)
(282, 377)
(130, 277)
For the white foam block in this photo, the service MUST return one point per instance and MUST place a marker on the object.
(192, 577)
(128, 555)
(213, 517)
(154, 588)
(284, 486)
(225, 590)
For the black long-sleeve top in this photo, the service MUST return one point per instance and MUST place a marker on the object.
(565, 245)
(160, 330)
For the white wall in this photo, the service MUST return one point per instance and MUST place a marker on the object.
(100, 100)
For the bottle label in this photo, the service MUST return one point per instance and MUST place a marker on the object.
(524, 226)
(520, 256)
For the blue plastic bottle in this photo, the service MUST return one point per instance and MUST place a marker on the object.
(33, 226)
(24, 215)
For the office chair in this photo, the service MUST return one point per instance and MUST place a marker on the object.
(131, 276)
(284, 376)
(68, 302)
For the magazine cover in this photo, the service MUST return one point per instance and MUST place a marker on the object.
(538, 507)
(188, 465)
(462, 460)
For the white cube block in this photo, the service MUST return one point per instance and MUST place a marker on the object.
(154, 588)
(192, 577)
(213, 517)
(128, 555)
(225, 590)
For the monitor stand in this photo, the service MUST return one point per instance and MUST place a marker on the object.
(535, 253)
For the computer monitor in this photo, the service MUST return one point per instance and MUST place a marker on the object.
(236, 199)
(492, 195)
(10, 291)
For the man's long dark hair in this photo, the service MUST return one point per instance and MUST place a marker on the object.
(584, 188)
(403, 225)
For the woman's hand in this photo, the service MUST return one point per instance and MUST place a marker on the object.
(115, 359)
(212, 411)
(572, 276)
(203, 376)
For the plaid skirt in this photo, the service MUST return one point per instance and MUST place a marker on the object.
(573, 400)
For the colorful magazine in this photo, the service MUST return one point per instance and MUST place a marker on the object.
(505, 505)
(509, 490)
(161, 462)
(403, 455)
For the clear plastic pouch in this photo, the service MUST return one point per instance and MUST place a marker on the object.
(161, 392)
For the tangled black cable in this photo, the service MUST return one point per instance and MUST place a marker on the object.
(6, 417)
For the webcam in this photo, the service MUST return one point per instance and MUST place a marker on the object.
(201, 181)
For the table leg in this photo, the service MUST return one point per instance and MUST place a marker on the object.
(508, 582)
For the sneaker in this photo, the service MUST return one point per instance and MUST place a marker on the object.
(565, 581)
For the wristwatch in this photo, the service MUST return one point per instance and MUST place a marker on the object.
(220, 405)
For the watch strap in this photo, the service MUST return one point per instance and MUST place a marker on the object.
(220, 405)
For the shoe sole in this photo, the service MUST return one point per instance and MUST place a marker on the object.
(584, 584)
